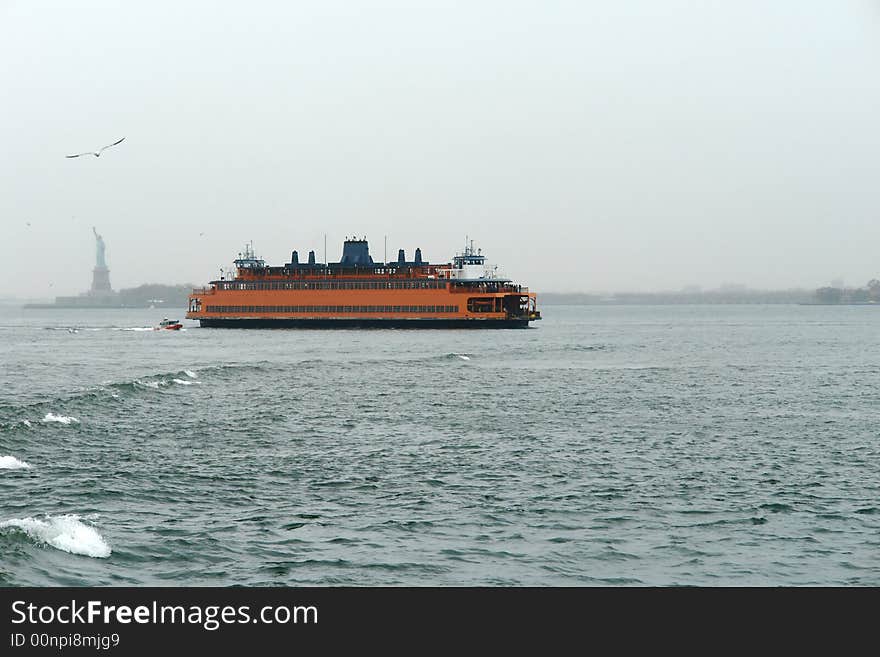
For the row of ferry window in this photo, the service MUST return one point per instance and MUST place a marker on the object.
(332, 309)
(335, 285)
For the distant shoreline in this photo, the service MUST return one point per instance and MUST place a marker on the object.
(59, 306)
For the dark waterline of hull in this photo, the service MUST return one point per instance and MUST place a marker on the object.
(262, 323)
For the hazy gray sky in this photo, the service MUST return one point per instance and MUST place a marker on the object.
(615, 145)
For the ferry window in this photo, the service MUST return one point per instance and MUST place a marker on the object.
(480, 305)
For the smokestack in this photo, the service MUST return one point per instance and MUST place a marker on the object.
(401, 257)
(418, 256)
(311, 257)
(294, 258)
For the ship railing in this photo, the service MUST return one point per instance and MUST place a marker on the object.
(203, 290)
(477, 289)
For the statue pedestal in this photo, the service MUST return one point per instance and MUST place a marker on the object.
(100, 280)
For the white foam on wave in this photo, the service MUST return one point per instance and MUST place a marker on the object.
(463, 356)
(26, 423)
(65, 532)
(12, 463)
(136, 328)
(155, 385)
(190, 374)
(63, 419)
(184, 383)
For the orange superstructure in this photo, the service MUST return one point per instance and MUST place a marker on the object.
(356, 292)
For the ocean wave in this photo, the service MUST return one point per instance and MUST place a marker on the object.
(185, 383)
(62, 419)
(12, 463)
(116, 390)
(461, 356)
(66, 532)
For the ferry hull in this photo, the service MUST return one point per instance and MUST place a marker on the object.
(346, 323)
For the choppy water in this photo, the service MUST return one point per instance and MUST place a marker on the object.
(727, 445)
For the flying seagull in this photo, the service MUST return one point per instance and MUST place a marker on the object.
(98, 152)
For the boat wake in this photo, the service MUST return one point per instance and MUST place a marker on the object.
(66, 532)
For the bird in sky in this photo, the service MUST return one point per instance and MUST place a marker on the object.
(98, 152)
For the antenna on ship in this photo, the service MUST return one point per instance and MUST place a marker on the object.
(385, 254)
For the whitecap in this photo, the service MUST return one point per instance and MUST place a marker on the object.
(12, 463)
(26, 423)
(190, 374)
(463, 356)
(65, 532)
(63, 419)
(183, 383)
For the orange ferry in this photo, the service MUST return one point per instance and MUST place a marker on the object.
(356, 292)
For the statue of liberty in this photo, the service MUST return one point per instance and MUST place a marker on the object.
(100, 248)
(100, 274)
